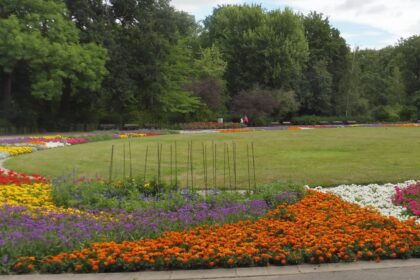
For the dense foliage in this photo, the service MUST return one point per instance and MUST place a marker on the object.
(134, 61)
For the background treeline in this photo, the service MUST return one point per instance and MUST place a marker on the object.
(141, 61)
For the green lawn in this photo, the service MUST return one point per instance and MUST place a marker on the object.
(315, 157)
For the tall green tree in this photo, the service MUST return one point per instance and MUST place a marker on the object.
(262, 49)
(233, 30)
(326, 67)
(43, 38)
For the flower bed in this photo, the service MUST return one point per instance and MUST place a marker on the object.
(375, 196)
(20, 145)
(13, 178)
(134, 135)
(76, 140)
(31, 221)
(14, 151)
(320, 228)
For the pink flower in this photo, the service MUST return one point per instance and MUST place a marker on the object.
(408, 197)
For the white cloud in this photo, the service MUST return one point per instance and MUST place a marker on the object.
(195, 6)
(395, 18)
(401, 18)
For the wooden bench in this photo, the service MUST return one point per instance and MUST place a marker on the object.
(351, 122)
(324, 122)
(338, 122)
(131, 126)
(107, 126)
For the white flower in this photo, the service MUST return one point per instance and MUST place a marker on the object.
(374, 195)
(54, 144)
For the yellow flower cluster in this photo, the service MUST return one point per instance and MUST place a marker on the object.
(47, 137)
(14, 151)
(126, 135)
(29, 195)
(38, 196)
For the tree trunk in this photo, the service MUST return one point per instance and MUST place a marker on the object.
(7, 93)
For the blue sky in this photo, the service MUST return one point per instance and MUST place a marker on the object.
(365, 23)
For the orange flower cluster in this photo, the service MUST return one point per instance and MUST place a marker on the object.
(320, 228)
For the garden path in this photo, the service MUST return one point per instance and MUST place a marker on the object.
(384, 270)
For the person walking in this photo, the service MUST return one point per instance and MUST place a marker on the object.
(246, 121)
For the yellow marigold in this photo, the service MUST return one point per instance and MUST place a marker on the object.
(14, 151)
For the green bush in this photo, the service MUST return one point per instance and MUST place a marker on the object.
(313, 120)
(387, 113)
(132, 194)
(408, 113)
(261, 121)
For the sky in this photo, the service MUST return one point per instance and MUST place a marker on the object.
(364, 23)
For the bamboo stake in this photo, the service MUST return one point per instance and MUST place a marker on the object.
(234, 164)
(160, 169)
(145, 162)
(131, 163)
(228, 158)
(188, 165)
(249, 176)
(204, 167)
(111, 164)
(224, 165)
(212, 163)
(176, 167)
(215, 165)
(158, 163)
(124, 161)
(171, 164)
(192, 167)
(253, 164)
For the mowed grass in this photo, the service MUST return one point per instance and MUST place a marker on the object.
(315, 157)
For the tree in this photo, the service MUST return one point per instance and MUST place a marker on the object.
(326, 67)
(284, 48)
(408, 54)
(261, 48)
(38, 34)
(232, 29)
(256, 104)
(207, 81)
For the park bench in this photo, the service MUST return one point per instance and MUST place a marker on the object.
(338, 122)
(351, 122)
(323, 122)
(286, 123)
(131, 126)
(107, 126)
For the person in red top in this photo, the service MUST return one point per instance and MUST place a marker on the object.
(246, 121)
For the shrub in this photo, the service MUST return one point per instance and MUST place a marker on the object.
(387, 113)
(132, 194)
(408, 113)
(209, 125)
(255, 104)
(313, 120)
